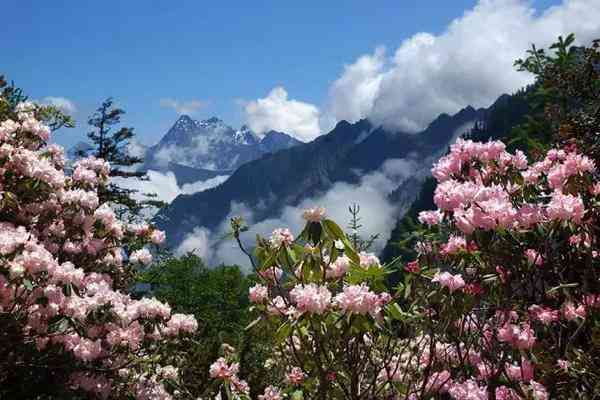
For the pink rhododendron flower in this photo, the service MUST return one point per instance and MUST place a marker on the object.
(314, 214)
(277, 306)
(454, 245)
(521, 337)
(311, 298)
(338, 268)
(523, 372)
(539, 391)
(452, 282)
(368, 260)
(544, 314)
(533, 257)
(468, 390)
(220, 369)
(295, 376)
(505, 393)
(168, 372)
(142, 256)
(271, 274)
(563, 364)
(595, 189)
(271, 393)
(258, 293)
(359, 299)
(439, 382)
(181, 323)
(571, 311)
(157, 237)
(431, 217)
(565, 207)
(412, 267)
(281, 236)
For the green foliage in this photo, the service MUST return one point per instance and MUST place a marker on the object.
(568, 87)
(218, 298)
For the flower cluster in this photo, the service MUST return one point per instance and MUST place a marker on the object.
(513, 270)
(227, 372)
(63, 270)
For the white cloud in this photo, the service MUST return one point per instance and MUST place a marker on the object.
(371, 193)
(189, 107)
(471, 62)
(136, 149)
(62, 103)
(277, 112)
(186, 155)
(165, 185)
(197, 242)
(200, 186)
(352, 95)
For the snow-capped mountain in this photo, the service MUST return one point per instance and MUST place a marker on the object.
(212, 145)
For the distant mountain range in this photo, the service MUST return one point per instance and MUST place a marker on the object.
(199, 150)
(211, 147)
(288, 176)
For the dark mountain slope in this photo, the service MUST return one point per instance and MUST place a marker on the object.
(499, 121)
(289, 176)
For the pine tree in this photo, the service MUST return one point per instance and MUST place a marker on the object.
(111, 143)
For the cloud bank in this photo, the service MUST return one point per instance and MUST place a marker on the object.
(277, 112)
(371, 193)
(470, 63)
(165, 186)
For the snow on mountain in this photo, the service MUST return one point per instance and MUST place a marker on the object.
(211, 144)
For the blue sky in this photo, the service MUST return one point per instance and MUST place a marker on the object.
(140, 52)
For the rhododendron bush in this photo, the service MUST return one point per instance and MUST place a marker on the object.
(326, 302)
(503, 301)
(65, 264)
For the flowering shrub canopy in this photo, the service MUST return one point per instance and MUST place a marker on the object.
(502, 302)
(63, 271)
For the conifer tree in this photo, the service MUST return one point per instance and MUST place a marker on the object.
(111, 143)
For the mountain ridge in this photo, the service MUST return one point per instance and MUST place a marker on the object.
(288, 176)
(211, 144)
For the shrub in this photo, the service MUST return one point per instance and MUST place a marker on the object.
(66, 322)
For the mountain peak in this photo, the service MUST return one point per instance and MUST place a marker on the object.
(184, 123)
(184, 117)
(213, 120)
(213, 145)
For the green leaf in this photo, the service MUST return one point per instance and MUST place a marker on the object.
(395, 311)
(562, 286)
(349, 251)
(297, 395)
(27, 283)
(333, 230)
(283, 332)
(253, 323)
